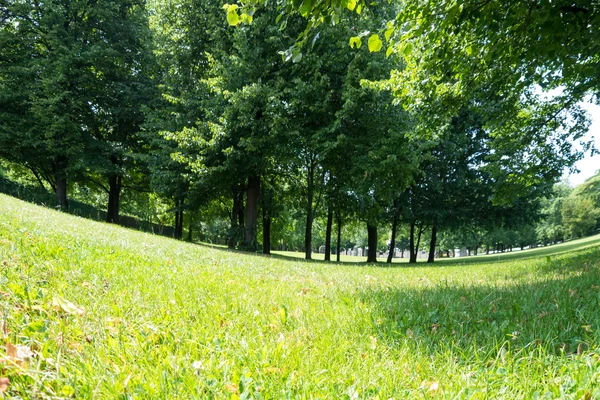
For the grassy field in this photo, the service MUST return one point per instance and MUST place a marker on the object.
(572, 245)
(89, 310)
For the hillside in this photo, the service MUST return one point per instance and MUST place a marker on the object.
(91, 310)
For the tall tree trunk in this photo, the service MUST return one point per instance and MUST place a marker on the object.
(433, 241)
(190, 226)
(178, 218)
(411, 247)
(328, 235)
(61, 193)
(252, 197)
(339, 238)
(393, 240)
(114, 198)
(60, 176)
(236, 217)
(241, 214)
(309, 214)
(180, 227)
(266, 222)
(372, 242)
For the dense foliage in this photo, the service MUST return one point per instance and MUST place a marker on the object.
(272, 126)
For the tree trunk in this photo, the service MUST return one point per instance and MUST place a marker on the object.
(328, 235)
(190, 225)
(433, 241)
(372, 242)
(252, 197)
(61, 193)
(237, 217)
(309, 215)
(114, 199)
(339, 238)
(266, 221)
(178, 218)
(241, 216)
(393, 240)
(179, 232)
(411, 247)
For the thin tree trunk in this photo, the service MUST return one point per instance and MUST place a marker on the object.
(309, 214)
(190, 225)
(252, 197)
(114, 198)
(433, 241)
(328, 235)
(372, 242)
(178, 218)
(339, 238)
(393, 240)
(411, 247)
(266, 220)
(38, 178)
(236, 217)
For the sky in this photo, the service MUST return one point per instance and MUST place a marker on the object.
(589, 165)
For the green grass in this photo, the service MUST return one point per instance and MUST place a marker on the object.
(572, 245)
(111, 313)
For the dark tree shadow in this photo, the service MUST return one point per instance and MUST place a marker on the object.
(556, 309)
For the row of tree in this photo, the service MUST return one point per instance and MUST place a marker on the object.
(166, 98)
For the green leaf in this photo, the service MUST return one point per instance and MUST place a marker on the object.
(297, 56)
(389, 51)
(306, 8)
(245, 18)
(375, 43)
(388, 34)
(355, 41)
(232, 18)
(351, 5)
(359, 8)
(469, 50)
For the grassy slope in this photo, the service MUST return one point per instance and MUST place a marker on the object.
(165, 319)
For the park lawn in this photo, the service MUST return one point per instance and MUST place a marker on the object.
(555, 249)
(90, 310)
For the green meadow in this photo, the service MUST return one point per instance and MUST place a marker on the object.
(91, 310)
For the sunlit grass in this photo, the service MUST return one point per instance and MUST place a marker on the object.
(90, 310)
(555, 249)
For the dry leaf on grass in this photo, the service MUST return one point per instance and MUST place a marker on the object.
(4, 382)
(66, 306)
(18, 355)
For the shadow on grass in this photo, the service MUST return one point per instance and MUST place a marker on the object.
(554, 309)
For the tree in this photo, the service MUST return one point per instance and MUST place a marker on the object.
(73, 71)
(579, 216)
